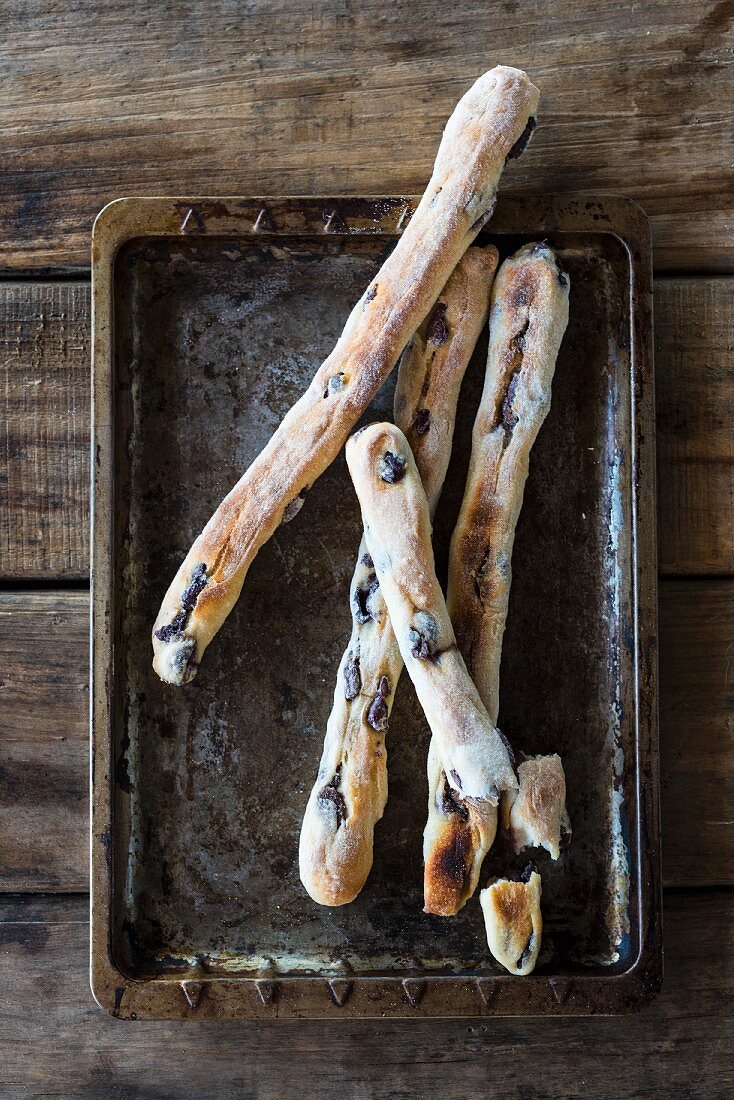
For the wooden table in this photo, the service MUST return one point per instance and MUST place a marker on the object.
(103, 99)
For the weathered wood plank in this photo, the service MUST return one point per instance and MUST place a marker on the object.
(99, 100)
(696, 725)
(694, 355)
(44, 458)
(55, 1042)
(43, 731)
(44, 446)
(44, 701)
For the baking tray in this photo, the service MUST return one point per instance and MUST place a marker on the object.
(210, 317)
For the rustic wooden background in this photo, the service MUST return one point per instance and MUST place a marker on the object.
(109, 98)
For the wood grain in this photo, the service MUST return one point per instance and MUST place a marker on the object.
(44, 447)
(43, 737)
(694, 356)
(99, 100)
(55, 1042)
(696, 727)
(44, 453)
(43, 740)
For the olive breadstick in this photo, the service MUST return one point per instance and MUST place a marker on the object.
(513, 921)
(528, 317)
(335, 851)
(397, 530)
(490, 124)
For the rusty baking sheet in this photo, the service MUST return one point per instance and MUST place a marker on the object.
(210, 317)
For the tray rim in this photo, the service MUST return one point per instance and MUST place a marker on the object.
(340, 994)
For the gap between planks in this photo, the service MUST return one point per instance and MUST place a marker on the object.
(44, 737)
(44, 452)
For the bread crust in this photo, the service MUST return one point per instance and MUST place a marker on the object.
(513, 922)
(398, 533)
(489, 125)
(528, 317)
(335, 849)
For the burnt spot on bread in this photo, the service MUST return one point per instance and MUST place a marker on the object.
(330, 795)
(352, 677)
(422, 421)
(437, 329)
(449, 804)
(391, 467)
(361, 600)
(377, 715)
(371, 293)
(422, 636)
(367, 561)
(448, 870)
(540, 246)
(454, 856)
(521, 144)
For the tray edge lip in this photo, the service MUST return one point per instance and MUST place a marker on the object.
(117, 224)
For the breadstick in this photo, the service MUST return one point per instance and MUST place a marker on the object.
(513, 921)
(528, 317)
(397, 530)
(491, 124)
(335, 851)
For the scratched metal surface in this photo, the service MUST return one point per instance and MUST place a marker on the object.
(215, 340)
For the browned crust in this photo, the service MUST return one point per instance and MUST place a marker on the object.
(448, 868)
(527, 320)
(335, 856)
(513, 922)
(398, 532)
(479, 136)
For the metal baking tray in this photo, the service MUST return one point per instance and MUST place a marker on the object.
(210, 317)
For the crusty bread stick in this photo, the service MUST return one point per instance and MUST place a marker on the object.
(490, 124)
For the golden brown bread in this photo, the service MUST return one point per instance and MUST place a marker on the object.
(397, 529)
(528, 317)
(456, 830)
(513, 922)
(490, 124)
(335, 849)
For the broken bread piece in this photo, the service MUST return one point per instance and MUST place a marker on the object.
(528, 318)
(513, 921)
(535, 815)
